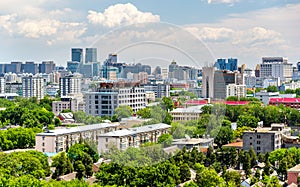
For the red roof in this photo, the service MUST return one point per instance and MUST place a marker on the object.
(196, 102)
(236, 102)
(234, 144)
(284, 100)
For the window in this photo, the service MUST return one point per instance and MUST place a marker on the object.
(258, 148)
(250, 143)
(43, 150)
(250, 138)
(43, 137)
(258, 136)
(258, 142)
(43, 144)
(106, 139)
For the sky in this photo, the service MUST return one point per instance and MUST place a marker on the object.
(194, 32)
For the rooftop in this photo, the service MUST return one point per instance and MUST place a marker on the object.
(135, 130)
(234, 144)
(194, 109)
(77, 129)
(295, 168)
(284, 100)
(191, 141)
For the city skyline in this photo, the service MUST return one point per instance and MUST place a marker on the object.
(247, 30)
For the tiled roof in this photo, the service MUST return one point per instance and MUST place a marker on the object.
(284, 100)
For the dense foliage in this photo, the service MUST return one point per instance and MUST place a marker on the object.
(17, 138)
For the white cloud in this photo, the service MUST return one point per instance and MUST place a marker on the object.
(6, 22)
(38, 28)
(211, 33)
(121, 14)
(222, 1)
(257, 36)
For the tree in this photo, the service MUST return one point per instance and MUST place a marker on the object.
(283, 167)
(232, 177)
(224, 136)
(247, 120)
(238, 133)
(185, 173)
(123, 111)
(247, 164)
(144, 112)
(190, 184)
(62, 165)
(209, 177)
(253, 158)
(165, 139)
(272, 89)
(168, 103)
(80, 169)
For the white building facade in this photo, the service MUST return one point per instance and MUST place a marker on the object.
(236, 90)
(106, 100)
(133, 137)
(33, 86)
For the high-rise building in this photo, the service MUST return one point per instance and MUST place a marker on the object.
(110, 65)
(70, 84)
(298, 66)
(276, 67)
(77, 55)
(231, 64)
(208, 82)
(90, 55)
(72, 66)
(221, 64)
(33, 86)
(2, 85)
(160, 90)
(29, 67)
(47, 67)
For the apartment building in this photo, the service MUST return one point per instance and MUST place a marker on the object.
(265, 139)
(54, 141)
(133, 137)
(109, 96)
(186, 114)
(236, 90)
(33, 86)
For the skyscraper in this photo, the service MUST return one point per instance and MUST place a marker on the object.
(231, 64)
(72, 66)
(33, 86)
(70, 84)
(90, 55)
(77, 55)
(47, 67)
(221, 64)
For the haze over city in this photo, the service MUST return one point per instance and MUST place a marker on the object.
(37, 30)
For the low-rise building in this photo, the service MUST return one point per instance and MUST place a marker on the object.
(187, 114)
(191, 143)
(288, 102)
(133, 137)
(265, 139)
(54, 141)
(264, 96)
(293, 175)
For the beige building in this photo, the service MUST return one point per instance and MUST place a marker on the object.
(133, 137)
(54, 141)
(236, 90)
(186, 114)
